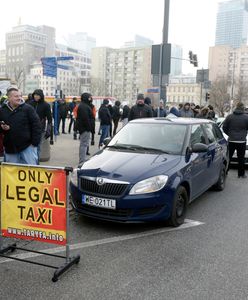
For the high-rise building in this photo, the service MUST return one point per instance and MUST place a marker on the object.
(232, 23)
(139, 41)
(26, 45)
(72, 81)
(176, 60)
(230, 64)
(2, 63)
(81, 41)
(121, 73)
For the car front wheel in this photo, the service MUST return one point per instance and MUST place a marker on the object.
(179, 208)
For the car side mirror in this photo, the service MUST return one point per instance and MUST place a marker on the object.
(199, 147)
(106, 141)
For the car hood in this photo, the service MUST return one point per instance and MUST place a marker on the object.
(128, 166)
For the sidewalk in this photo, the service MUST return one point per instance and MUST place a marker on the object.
(65, 151)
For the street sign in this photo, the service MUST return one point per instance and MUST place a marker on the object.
(65, 57)
(64, 67)
(202, 75)
(154, 90)
(49, 65)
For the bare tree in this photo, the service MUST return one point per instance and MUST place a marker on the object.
(241, 91)
(18, 76)
(98, 87)
(219, 96)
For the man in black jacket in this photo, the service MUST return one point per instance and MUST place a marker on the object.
(236, 126)
(21, 127)
(84, 125)
(105, 121)
(140, 110)
(43, 110)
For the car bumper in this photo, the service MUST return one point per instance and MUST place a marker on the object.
(140, 208)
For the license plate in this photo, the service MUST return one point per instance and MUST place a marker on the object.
(99, 202)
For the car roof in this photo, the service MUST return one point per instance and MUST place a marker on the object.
(174, 120)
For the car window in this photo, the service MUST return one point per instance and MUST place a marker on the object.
(209, 132)
(197, 135)
(163, 136)
(217, 132)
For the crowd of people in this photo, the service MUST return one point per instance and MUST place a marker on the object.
(26, 124)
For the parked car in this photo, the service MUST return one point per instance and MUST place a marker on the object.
(151, 170)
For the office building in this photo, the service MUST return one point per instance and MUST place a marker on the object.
(121, 73)
(232, 23)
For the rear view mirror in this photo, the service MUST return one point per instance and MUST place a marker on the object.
(199, 147)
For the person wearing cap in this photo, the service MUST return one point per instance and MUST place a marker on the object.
(140, 109)
(236, 127)
(84, 125)
(105, 121)
(21, 127)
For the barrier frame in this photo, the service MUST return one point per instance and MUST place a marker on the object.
(69, 261)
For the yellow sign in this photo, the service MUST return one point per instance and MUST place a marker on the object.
(33, 203)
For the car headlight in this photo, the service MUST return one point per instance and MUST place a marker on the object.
(149, 185)
(74, 177)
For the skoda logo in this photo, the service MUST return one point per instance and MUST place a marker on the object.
(99, 180)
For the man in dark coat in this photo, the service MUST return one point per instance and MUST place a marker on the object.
(116, 115)
(236, 126)
(105, 121)
(21, 127)
(43, 110)
(84, 125)
(140, 110)
(63, 109)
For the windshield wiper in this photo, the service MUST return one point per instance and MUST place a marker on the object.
(137, 147)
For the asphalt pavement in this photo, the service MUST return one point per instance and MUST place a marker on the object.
(206, 258)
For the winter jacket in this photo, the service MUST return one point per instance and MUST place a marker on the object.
(236, 126)
(104, 115)
(84, 117)
(116, 113)
(186, 113)
(125, 113)
(43, 110)
(162, 112)
(140, 111)
(25, 127)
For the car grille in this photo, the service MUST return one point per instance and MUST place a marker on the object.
(107, 189)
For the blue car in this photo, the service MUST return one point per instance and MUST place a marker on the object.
(151, 170)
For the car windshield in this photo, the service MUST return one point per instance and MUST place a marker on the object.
(164, 138)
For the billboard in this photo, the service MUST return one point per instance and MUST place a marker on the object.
(33, 203)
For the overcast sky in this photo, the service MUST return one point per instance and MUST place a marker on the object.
(113, 22)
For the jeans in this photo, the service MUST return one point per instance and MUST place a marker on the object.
(28, 156)
(84, 144)
(105, 133)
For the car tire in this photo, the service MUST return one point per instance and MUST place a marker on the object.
(220, 184)
(179, 207)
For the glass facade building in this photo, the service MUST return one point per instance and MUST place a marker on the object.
(232, 23)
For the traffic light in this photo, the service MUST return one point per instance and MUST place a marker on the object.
(207, 97)
(195, 61)
(191, 57)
